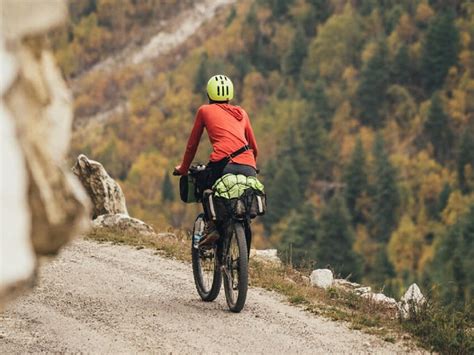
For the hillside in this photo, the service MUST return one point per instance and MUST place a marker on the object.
(363, 111)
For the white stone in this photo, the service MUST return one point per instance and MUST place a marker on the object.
(380, 298)
(123, 222)
(411, 301)
(322, 278)
(346, 285)
(106, 195)
(17, 258)
(41, 207)
(266, 255)
(362, 290)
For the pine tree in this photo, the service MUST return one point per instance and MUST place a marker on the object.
(315, 145)
(320, 104)
(382, 271)
(293, 59)
(437, 129)
(454, 261)
(355, 178)
(322, 9)
(202, 76)
(336, 237)
(402, 67)
(371, 92)
(440, 51)
(280, 7)
(386, 197)
(293, 148)
(283, 193)
(167, 191)
(465, 158)
(300, 237)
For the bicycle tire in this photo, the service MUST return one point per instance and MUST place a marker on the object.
(206, 292)
(238, 264)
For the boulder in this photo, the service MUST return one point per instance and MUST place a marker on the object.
(380, 298)
(322, 278)
(269, 256)
(411, 301)
(345, 285)
(362, 290)
(41, 204)
(106, 195)
(124, 223)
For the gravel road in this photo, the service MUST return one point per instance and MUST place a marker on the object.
(103, 298)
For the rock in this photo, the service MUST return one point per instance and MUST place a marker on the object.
(411, 302)
(106, 195)
(362, 290)
(322, 278)
(306, 280)
(345, 285)
(124, 223)
(266, 256)
(381, 299)
(42, 205)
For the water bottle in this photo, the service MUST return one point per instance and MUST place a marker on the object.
(198, 229)
(196, 239)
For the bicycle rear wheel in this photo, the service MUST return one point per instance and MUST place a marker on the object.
(206, 271)
(236, 268)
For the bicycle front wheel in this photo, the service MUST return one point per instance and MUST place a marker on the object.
(236, 268)
(206, 271)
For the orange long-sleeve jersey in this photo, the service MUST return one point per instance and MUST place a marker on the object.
(228, 128)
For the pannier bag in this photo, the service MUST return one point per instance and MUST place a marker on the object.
(188, 189)
(236, 196)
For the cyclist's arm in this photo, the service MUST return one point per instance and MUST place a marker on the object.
(193, 143)
(251, 137)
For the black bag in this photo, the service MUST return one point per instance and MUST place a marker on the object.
(188, 189)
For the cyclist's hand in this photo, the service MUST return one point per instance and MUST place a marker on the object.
(176, 171)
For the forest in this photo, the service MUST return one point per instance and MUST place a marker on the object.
(363, 111)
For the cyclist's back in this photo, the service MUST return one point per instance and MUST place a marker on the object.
(230, 133)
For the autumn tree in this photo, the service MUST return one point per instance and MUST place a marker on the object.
(440, 51)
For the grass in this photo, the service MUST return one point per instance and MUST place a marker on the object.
(432, 327)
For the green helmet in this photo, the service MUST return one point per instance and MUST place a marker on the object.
(220, 88)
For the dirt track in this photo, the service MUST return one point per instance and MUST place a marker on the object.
(115, 299)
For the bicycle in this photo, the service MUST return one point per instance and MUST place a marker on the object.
(226, 259)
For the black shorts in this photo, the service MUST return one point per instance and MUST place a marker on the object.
(215, 170)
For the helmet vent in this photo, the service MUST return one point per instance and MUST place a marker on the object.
(227, 90)
(218, 91)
